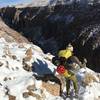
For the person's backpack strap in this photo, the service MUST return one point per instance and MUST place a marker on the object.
(74, 59)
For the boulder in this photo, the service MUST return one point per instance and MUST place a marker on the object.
(53, 89)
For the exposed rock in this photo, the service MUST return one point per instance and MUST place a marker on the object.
(38, 97)
(5, 79)
(98, 75)
(27, 58)
(9, 34)
(4, 56)
(28, 55)
(1, 64)
(27, 67)
(98, 97)
(89, 78)
(13, 69)
(7, 64)
(17, 68)
(57, 80)
(31, 87)
(9, 78)
(7, 90)
(7, 51)
(6, 36)
(14, 57)
(53, 89)
(11, 97)
(27, 94)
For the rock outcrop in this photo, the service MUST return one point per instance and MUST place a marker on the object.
(9, 34)
(52, 88)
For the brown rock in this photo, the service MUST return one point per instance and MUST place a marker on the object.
(30, 93)
(98, 75)
(25, 95)
(11, 97)
(17, 68)
(27, 67)
(99, 97)
(27, 58)
(38, 97)
(53, 89)
(5, 79)
(1, 64)
(4, 56)
(9, 78)
(7, 51)
(89, 78)
(31, 87)
(14, 57)
(28, 55)
(11, 35)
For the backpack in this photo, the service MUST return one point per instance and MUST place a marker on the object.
(73, 64)
(74, 68)
(70, 64)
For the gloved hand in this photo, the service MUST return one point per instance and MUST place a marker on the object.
(56, 61)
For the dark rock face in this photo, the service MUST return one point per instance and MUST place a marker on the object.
(89, 45)
(53, 28)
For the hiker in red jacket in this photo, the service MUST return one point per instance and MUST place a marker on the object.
(69, 76)
(67, 66)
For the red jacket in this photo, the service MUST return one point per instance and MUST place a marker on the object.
(61, 70)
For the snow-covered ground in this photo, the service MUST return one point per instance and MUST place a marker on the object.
(15, 80)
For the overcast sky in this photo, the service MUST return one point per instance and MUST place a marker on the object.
(12, 2)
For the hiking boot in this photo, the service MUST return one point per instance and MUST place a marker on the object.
(68, 94)
(76, 95)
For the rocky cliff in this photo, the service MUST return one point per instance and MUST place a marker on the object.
(9, 34)
(52, 28)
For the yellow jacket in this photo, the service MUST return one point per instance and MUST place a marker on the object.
(65, 53)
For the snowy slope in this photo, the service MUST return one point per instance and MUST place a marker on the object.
(13, 78)
(15, 81)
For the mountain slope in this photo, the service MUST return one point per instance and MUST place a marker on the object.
(20, 63)
(6, 31)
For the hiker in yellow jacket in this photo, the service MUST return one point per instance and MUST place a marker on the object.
(64, 67)
(66, 57)
(71, 66)
(68, 52)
